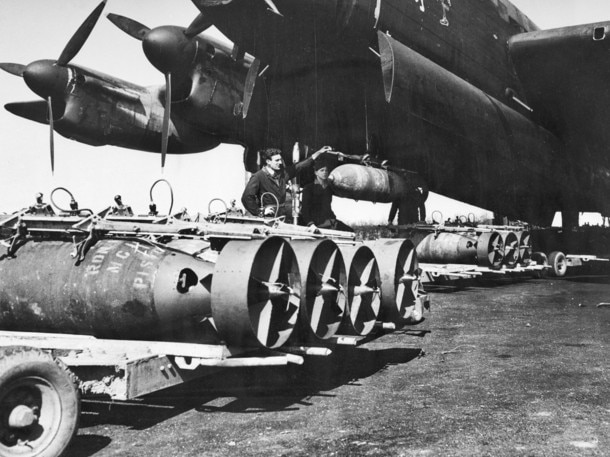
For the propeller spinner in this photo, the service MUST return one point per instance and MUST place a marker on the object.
(50, 79)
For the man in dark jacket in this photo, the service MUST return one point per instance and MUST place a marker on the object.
(411, 207)
(317, 202)
(265, 193)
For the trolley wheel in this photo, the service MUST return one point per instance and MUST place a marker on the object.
(39, 404)
(541, 259)
(558, 263)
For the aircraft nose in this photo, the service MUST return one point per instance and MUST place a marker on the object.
(168, 49)
(46, 79)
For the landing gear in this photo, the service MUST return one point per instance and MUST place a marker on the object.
(39, 404)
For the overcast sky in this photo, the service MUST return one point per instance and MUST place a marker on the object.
(39, 29)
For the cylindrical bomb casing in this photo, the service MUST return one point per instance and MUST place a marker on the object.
(359, 182)
(121, 289)
(485, 249)
(448, 248)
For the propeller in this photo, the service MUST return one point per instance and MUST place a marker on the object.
(50, 79)
(173, 51)
(170, 50)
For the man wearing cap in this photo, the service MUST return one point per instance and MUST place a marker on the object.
(265, 193)
(317, 201)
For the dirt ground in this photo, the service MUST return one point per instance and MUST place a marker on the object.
(497, 369)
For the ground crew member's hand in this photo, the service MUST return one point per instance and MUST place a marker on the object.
(322, 150)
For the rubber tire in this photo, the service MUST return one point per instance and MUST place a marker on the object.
(558, 263)
(20, 364)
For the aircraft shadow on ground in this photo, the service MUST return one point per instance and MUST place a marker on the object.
(243, 390)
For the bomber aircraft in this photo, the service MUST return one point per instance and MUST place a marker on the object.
(466, 96)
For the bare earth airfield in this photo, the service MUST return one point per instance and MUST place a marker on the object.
(503, 367)
(498, 369)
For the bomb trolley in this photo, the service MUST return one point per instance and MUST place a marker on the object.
(65, 274)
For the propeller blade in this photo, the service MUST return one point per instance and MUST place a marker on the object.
(36, 111)
(78, 39)
(271, 6)
(166, 116)
(249, 87)
(51, 142)
(13, 68)
(199, 24)
(129, 26)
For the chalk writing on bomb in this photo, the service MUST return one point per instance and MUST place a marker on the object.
(115, 256)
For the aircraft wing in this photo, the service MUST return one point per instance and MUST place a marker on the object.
(566, 73)
(566, 77)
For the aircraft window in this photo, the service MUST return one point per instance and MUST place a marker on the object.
(599, 33)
